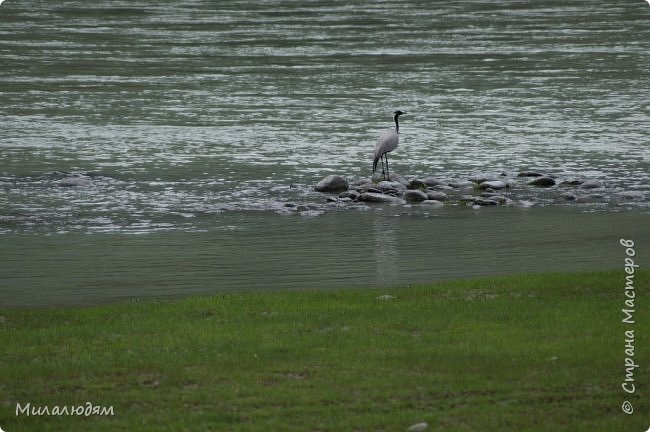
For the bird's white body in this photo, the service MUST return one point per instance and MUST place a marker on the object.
(387, 142)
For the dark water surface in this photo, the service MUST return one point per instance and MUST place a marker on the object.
(248, 251)
(193, 123)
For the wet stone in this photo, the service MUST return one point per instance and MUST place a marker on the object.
(542, 182)
(415, 196)
(569, 196)
(390, 185)
(461, 184)
(486, 201)
(529, 174)
(351, 194)
(400, 179)
(632, 195)
(432, 203)
(493, 184)
(431, 181)
(437, 196)
(75, 182)
(417, 184)
(332, 183)
(572, 182)
(380, 198)
(591, 184)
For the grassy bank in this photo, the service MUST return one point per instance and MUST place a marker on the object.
(538, 353)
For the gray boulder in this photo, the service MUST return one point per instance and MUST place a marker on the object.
(417, 184)
(591, 184)
(485, 202)
(351, 194)
(390, 186)
(437, 196)
(529, 174)
(332, 183)
(380, 198)
(542, 182)
(432, 181)
(461, 184)
(432, 203)
(75, 182)
(572, 182)
(569, 196)
(632, 195)
(493, 184)
(415, 196)
(394, 177)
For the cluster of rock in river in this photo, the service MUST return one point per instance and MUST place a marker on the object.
(477, 191)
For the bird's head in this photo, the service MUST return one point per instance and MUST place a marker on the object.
(398, 113)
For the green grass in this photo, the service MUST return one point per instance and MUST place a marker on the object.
(516, 353)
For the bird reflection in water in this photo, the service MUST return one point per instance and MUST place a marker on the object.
(386, 251)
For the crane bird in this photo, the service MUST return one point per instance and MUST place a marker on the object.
(387, 142)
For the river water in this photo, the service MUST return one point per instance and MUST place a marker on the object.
(189, 125)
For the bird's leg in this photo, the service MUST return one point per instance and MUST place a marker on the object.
(383, 167)
(387, 172)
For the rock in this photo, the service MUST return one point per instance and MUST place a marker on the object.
(530, 174)
(418, 427)
(399, 179)
(362, 186)
(572, 182)
(569, 196)
(437, 196)
(485, 201)
(632, 195)
(590, 198)
(311, 213)
(432, 203)
(591, 184)
(380, 198)
(332, 183)
(417, 184)
(431, 181)
(415, 196)
(390, 186)
(478, 179)
(525, 203)
(75, 182)
(542, 182)
(493, 184)
(351, 194)
(461, 184)
(360, 182)
(500, 199)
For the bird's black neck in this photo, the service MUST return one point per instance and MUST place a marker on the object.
(396, 123)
